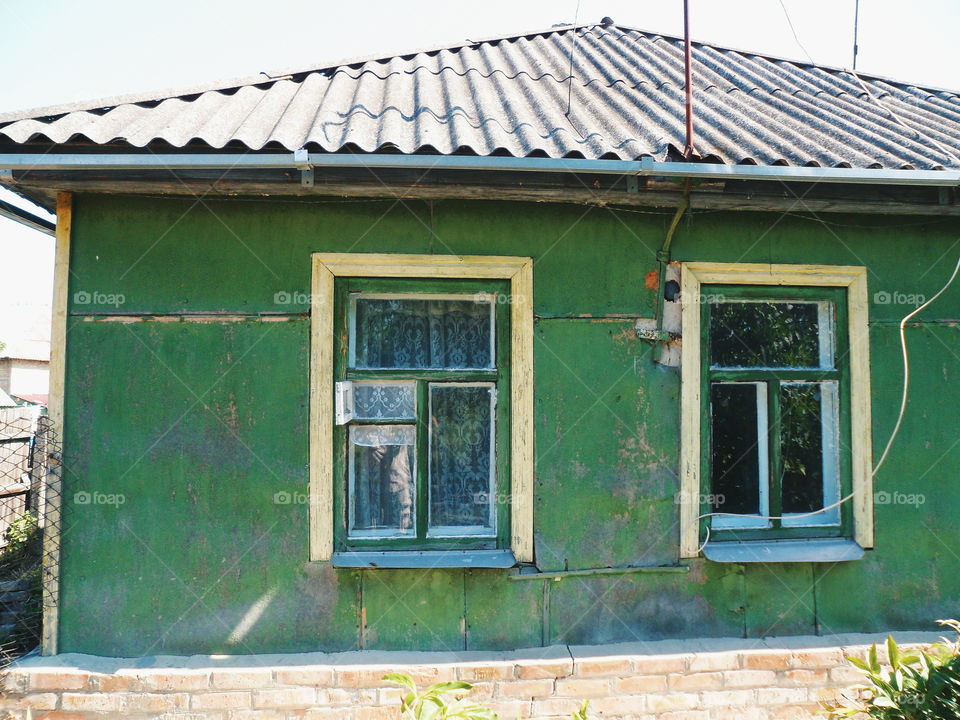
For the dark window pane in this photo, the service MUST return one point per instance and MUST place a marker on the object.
(735, 450)
(802, 446)
(408, 333)
(382, 480)
(770, 334)
(461, 473)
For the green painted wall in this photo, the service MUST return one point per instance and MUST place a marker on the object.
(202, 428)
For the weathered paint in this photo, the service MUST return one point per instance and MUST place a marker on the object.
(202, 428)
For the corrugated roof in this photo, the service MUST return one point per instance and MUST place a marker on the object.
(592, 91)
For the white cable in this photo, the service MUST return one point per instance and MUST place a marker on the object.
(906, 367)
(893, 434)
(838, 503)
(896, 118)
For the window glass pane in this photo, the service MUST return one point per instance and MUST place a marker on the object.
(461, 459)
(384, 400)
(738, 450)
(382, 480)
(771, 334)
(808, 450)
(398, 332)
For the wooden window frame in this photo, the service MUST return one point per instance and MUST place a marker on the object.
(326, 267)
(497, 377)
(853, 279)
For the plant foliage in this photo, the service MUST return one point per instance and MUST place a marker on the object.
(445, 701)
(442, 701)
(915, 686)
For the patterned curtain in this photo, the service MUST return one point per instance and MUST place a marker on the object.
(405, 334)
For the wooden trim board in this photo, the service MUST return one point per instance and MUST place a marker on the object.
(696, 274)
(326, 268)
(55, 408)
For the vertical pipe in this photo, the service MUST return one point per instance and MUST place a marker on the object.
(689, 151)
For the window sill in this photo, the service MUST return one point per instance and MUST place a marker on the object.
(425, 559)
(784, 551)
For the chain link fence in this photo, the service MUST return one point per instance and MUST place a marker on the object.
(30, 454)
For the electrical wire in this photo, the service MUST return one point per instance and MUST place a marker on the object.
(906, 366)
(893, 435)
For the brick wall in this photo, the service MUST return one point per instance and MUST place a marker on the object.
(688, 680)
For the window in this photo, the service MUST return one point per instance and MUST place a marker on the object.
(772, 397)
(776, 405)
(423, 424)
(425, 456)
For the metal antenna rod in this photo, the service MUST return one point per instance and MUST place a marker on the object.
(689, 151)
(856, 31)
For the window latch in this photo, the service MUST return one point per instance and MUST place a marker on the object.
(343, 401)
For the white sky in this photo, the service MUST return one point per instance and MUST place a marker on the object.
(57, 51)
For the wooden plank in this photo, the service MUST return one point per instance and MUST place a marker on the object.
(779, 599)
(861, 440)
(429, 266)
(321, 413)
(488, 627)
(645, 198)
(522, 432)
(690, 414)
(772, 274)
(404, 609)
(55, 408)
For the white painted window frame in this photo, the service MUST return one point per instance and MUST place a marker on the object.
(326, 267)
(854, 280)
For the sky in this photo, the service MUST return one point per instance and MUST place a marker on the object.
(58, 51)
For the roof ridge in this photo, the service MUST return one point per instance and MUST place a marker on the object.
(267, 78)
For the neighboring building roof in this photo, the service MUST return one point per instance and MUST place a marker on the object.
(511, 95)
(33, 399)
(26, 350)
(6, 400)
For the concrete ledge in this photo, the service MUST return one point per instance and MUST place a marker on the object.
(707, 679)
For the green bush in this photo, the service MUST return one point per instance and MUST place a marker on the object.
(20, 559)
(920, 686)
(441, 701)
(444, 701)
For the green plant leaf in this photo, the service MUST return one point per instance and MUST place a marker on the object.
(453, 686)
(401, 679)
(893, 652)
(858, 663)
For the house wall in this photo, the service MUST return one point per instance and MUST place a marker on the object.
(25, 377)
(187, 431)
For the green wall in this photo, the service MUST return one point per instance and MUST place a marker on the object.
(200, 425)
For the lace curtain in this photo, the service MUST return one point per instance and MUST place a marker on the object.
(412, 333)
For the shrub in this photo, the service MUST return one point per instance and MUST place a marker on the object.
(920, 686)
(444, 701)
(433, 702)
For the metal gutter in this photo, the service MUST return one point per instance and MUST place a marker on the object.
(304, 161)
(25, 217)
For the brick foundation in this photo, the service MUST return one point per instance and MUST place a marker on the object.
(772, 679)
